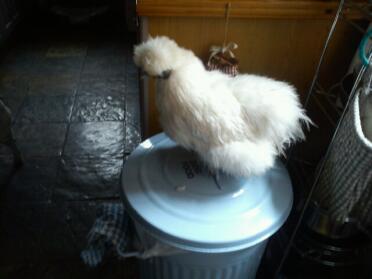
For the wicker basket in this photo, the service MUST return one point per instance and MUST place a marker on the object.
(345, 185)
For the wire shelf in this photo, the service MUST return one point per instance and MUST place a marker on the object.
(332, 103)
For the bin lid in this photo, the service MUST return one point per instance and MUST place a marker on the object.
(168, 191)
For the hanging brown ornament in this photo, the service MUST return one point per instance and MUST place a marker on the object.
(222, 58)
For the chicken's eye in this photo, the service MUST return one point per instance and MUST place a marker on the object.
(147, 61)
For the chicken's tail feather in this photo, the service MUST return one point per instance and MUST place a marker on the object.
(292, 133)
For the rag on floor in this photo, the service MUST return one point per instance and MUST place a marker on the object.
(112, 233)
(109, 234)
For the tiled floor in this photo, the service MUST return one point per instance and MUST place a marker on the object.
(75, 105)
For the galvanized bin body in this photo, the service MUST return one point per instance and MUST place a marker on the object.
(240, 264)
(214, 226)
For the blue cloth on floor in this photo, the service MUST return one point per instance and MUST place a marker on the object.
(109, 233)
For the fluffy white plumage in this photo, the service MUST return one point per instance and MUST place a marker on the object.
(236, 124)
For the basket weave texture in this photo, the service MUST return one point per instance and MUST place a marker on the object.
(345, 185)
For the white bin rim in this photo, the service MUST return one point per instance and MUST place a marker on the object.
(179, 203)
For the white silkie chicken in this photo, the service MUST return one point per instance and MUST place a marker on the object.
(235, 124)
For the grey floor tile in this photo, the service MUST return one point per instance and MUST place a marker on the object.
(104, 66)
(13, 86)
(44, 214)
(70, 270)
(7, 168)
(113, 269)
(22, 67)
(33, 182)
(132, 106)
(40, 139)
(46, 109)
(98, 108)
(5, 152)
(132, 82)
(20, 231)
(108, 48)
(63, 49)
(82, 178)
(133, 118)
(15, 105)
(96, 139)
(20, 60)
(132, 69)
(66, 228)
(6, 165)
(25, 270)
(54, 66)
(52, 86)
(132, 137)
(133, 121)
(13, 91)
(119, 269)
(102, 86)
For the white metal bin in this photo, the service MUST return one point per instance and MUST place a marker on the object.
(214, 227)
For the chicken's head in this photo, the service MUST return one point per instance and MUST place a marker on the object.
(158, 56)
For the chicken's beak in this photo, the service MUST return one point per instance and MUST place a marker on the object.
(165, 74)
